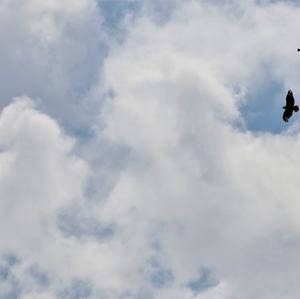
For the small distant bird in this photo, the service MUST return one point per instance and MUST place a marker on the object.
(289, 107)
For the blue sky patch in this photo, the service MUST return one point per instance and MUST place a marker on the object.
(204, 281)
(159, 275)
(74, 223)
(10, 287)
(77, 290)
(263, 110)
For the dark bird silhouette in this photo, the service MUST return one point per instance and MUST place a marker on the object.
(289, 107)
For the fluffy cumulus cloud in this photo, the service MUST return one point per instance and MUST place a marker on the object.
(143, 153)
(39, 174)
(224, 197)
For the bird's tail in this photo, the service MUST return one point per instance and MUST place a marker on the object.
(296, 108)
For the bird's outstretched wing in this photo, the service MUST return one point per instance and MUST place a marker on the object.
(290, 101)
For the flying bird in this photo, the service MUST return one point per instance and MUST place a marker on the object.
(289, 107)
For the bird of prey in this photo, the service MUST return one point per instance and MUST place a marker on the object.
(289, 107)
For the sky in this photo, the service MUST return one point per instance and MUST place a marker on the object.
(142, 149)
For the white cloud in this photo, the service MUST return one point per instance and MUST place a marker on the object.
(49, 19)
(188, 189)
(39, 174)
(228, 199)
(51, 51)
